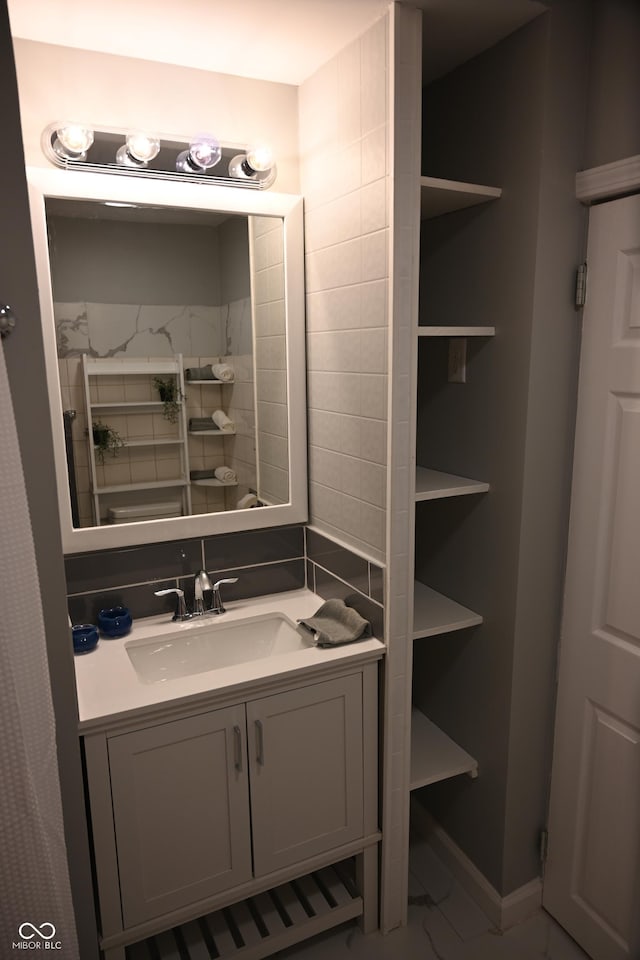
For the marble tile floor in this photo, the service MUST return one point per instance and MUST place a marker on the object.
(444, 924)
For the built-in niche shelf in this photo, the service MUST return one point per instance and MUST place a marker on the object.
(470, 331)
(434, 755)
(434, 484)
(446, 196)
(212, 433)
(433, 613)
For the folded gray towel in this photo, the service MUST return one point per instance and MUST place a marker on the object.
(334, 623)
(201, 423)
(201, 474)
(200, 373)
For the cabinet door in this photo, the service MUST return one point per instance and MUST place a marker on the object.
(306, 763)
(181, 812)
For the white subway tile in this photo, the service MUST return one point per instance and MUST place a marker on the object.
(373, 395)
(374, 154)
(374, 255)
(374, 303)
(373, 202)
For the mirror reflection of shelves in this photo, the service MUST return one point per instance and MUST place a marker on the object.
(212, 433)
(109, 383)
(214, 482)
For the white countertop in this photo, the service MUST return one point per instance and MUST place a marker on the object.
(109, 688)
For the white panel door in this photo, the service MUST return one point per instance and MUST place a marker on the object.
(592, 879)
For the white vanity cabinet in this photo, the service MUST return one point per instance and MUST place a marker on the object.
(180, 811)
(196, 811)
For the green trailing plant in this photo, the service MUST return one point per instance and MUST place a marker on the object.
(105, 440)
(170, 395)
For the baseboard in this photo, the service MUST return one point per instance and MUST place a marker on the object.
(504, 912)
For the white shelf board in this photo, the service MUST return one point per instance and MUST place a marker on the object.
(130, 406)
(429, 331)
(445, 196)
(160, 442)
(211, 381)
(151, 485)
(214, 482)
(434, 756)
(434, 484)
(433, 613)
(212, 433)
(100, 367)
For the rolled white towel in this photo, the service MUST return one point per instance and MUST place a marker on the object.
(249, 500)
(223, 422)
(222, 371)
(225, 474)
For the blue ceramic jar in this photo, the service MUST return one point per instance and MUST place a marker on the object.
(115, 622)
(85, 637)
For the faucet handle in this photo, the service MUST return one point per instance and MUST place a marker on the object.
(217, 606)
(181, 612)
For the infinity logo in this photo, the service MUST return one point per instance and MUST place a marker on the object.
(40, 931)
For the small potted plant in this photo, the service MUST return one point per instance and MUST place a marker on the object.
(105, 439)
(170, 395)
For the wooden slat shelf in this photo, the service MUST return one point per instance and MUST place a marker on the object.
(446, 196)
(261, 925)
(434, 756)
(434, 484)
(433, 613)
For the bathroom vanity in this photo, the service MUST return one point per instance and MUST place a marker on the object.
(236, 804)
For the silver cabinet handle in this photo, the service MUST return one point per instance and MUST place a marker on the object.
(237, 748)
(260, 742)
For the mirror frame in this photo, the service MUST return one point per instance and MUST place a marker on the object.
(46, 183)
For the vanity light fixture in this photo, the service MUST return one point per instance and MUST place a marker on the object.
(138, 150)
(72, 141)
(203, 153)
(256, 164)
(138, 153)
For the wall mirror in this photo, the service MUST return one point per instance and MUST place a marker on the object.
(173, 324)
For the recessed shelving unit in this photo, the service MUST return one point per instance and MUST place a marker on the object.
(434, 755)
(212, 433)
(433, 613)
(446, 196)
(470, 331)
(434, 484)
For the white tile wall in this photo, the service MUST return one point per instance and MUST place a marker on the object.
(272, 448)
(343, 119)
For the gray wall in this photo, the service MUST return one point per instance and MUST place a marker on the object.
(613, 129)
(25, 362)
(501, 120)
(110, 261)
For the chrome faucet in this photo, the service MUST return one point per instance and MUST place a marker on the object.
(181, 612)
(216, 604)
(201, 584)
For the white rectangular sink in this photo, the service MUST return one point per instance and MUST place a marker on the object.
(212, 645)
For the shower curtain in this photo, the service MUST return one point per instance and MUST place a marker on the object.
(36, 910)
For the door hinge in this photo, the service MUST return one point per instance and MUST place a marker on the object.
(543, 845)
(581, 285)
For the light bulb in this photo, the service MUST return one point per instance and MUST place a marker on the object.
(143, 147)
(139, 149)
(73, 141)
(260, 157)
(256, 164)
(203, 153)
